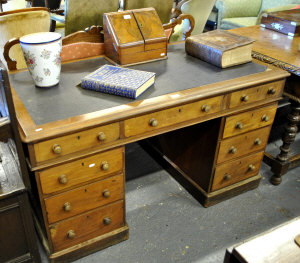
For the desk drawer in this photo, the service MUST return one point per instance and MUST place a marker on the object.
(270, 90)
(80, 171)
(233, 172)
(165, 118)
(249, 120)
(87, 226)
(84, 198)
(243, 144)
(75, 142)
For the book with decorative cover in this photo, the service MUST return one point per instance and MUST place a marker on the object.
(220, 48)
(119, 81)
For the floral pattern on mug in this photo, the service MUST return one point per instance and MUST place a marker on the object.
(38, 79)
(47, 72)
(30, 60)
(46, 54)
(57, 60)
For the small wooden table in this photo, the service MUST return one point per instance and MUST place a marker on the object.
(281, 51)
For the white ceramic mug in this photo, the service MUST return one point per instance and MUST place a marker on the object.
(42, 53)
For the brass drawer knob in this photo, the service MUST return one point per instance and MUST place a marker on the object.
(271, 91)
(104, 165)
(71, 234)
(265, 118)
(63, 179)
(67, 207)
(101, 136)
(233, 150)
(239, 125)
(251, 167)
(106, 193)
(245, 98)
(257, 141)
(205, 108)
(106, 221)
(227, 177)
(56, 149)
(153, 122)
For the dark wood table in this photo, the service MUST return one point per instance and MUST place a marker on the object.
(209, 125)
(282, 51)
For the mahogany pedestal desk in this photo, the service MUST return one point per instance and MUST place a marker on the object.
(281, 51)
(210, 126)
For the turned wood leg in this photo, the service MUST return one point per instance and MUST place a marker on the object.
(288, 138)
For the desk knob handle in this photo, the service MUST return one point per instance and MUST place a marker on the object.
(239, 125)
(251, 167)
(153, 122)
(257, 141)
(233, 150)
(106, 193)
(107, 221)
(71, 234)
(56, 149)
(271, 91)
(205, 108)
(101, 136)
(67, 207)
(63, 179)
(104, 166)
(265, 118)
(245, 98)
(227, 177)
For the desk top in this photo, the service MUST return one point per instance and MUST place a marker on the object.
(273, 48)
(44, 113)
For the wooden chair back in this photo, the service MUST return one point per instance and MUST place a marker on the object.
(19, 22)
(162, 7)
(82, 14)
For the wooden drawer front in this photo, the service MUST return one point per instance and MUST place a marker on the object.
(80, 171)
(89, 225)
(76, 142)
(243, 144)
(171, 116)
(84, 198)
(233, 172)
(270, 90)
(249, 120)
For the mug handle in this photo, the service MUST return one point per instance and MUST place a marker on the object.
(11, 63)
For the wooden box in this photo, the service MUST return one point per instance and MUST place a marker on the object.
(286, 22)
(134, 36)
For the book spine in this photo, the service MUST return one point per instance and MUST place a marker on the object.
(204, 52)
(107, 88)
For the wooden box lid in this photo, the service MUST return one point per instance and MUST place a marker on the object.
(286, 22)
(135, 27)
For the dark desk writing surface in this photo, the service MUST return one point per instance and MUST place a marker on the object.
(180, 71)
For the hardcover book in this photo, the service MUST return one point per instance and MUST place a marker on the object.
(220, 48)
(119, 81)
(286, 22)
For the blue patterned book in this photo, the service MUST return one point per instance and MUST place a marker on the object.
(119, 81)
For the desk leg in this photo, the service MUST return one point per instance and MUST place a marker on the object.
(282, 163)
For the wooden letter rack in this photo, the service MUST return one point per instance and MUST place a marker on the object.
(134, 36)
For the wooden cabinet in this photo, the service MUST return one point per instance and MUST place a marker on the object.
(17, 234)
(220, 158)
(83, 200)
